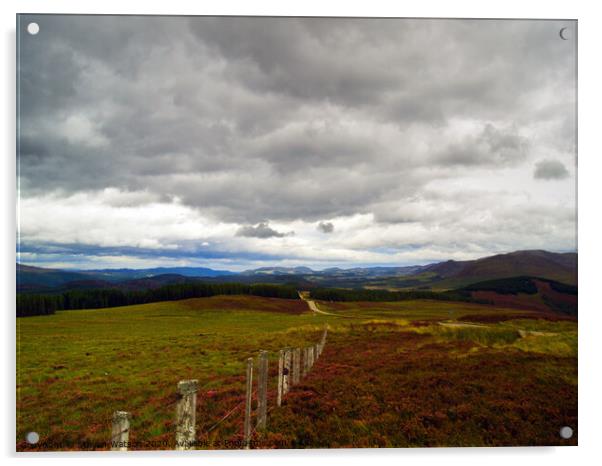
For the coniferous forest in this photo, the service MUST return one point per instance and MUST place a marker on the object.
(46, 304)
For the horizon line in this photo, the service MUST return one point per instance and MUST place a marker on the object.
(290, 266)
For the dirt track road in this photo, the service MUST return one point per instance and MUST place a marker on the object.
(314, 307)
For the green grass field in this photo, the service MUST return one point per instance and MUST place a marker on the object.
(392, 374)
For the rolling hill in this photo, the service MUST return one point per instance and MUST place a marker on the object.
(537, 263)
(38, 279)
(561, 267)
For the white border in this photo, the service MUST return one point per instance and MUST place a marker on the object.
(590, 170)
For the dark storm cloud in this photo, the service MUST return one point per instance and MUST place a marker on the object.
(550, 170)
(422, 67)
(252, 99)
(262, 230)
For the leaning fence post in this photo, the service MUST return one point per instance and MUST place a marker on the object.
(323, 339)
(249, 400)
(262, 390)
(186, 414)
(286, 380)
(296, 365)
(120, 432)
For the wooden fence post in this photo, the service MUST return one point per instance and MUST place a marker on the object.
(262, 390)
(308, 359)
(310, 351)
(317, 350)
(323, 339)
(186, 415)
(296, 365)
(286, 379)
(249, 400)
(280, 377)
(304, 362)
(120, 432)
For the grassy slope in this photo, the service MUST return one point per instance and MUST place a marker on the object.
(390, 375)
(75, 368)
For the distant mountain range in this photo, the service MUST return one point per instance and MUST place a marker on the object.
(451, 274)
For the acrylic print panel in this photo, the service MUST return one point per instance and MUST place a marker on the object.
(252, 232)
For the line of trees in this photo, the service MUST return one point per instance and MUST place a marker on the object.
(36, 304)
(340, 294)
(512, 285)
(523, 284)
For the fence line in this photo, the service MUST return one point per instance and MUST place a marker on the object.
(293, 365)
(227, 415)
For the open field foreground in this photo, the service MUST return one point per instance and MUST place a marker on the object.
(411, 373)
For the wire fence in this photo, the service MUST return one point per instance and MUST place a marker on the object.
(294, 364)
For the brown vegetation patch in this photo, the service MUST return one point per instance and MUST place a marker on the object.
(518, 301)
(495, 318)
(247, 303)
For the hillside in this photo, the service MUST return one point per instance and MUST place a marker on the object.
(553, 266)
(37, 278)
(532, 293)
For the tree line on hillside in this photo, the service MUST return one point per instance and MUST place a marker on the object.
(523, 284)
(37, 304)
(340, 294)
(513, 285)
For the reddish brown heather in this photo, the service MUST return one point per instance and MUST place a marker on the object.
(405, 389)
(501, 317)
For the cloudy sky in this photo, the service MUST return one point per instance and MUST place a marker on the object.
(242, 142)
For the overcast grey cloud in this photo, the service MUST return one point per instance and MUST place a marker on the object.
(262, 230)
(550, 170)
(230, 133)
(326, 227)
